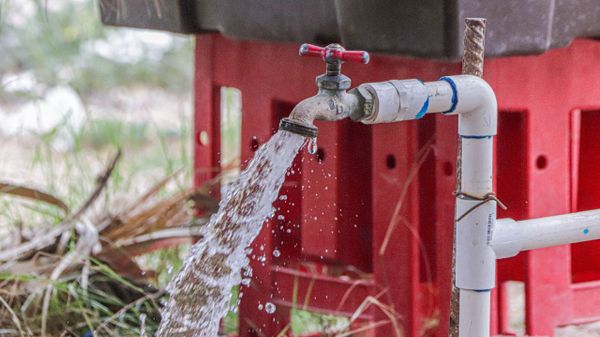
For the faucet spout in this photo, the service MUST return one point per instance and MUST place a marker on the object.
(327, 105)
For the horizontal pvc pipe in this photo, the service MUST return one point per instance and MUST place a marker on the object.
(440, 96)
(474, 313)
(511, 237)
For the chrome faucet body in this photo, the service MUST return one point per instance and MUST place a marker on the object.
(332, 101)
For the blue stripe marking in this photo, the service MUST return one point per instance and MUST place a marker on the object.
(475, 137)
(454, 94)
(482, 290)
(423, 110)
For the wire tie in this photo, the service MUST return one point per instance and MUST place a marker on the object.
(486, 198)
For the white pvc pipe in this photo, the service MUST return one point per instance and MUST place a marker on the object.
(476, 170)
(475, 103)
(475, 259)
(511, 237)
(440, 96)
(396, 100)
(468, 96)
(474, 314)
(476, 106)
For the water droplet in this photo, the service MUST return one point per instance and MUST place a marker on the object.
(246, 281)
(312, 146)
(276, 253)
(283, 197)
(270, 308)
(280, 217)
(260, 306)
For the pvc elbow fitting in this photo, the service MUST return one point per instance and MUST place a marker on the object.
(475, 104)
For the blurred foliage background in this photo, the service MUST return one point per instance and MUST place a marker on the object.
(60, 42)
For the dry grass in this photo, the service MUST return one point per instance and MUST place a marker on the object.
(81, 276)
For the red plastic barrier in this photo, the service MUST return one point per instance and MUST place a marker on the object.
(338, 247)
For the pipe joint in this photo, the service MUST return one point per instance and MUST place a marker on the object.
(476, 106)
(393, 101)
(507, 238)
(475, 259)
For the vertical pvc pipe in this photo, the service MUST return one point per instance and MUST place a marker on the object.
(477, 157)
(474, 313)
(475, 259)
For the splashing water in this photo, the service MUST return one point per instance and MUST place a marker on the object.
(201, 292)
(312, 146)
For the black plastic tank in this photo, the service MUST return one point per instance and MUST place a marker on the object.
(421, 28)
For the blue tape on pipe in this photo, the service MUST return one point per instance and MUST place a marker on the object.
(454, 94)
(423, 110)
(475, 137)
(482, 290)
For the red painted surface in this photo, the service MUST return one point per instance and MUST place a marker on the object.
(335, 226)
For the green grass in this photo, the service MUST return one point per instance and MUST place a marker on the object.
(101, 133)
(81, 310)
(150, 154)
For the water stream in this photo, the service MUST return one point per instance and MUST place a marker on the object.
(200, 293)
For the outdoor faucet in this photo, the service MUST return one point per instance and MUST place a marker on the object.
(474, 102)
(332, 101)
(368, 103)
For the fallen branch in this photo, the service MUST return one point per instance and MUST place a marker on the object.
(50, 238)
(33, 194)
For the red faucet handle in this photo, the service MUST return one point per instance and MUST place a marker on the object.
(333, 53)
